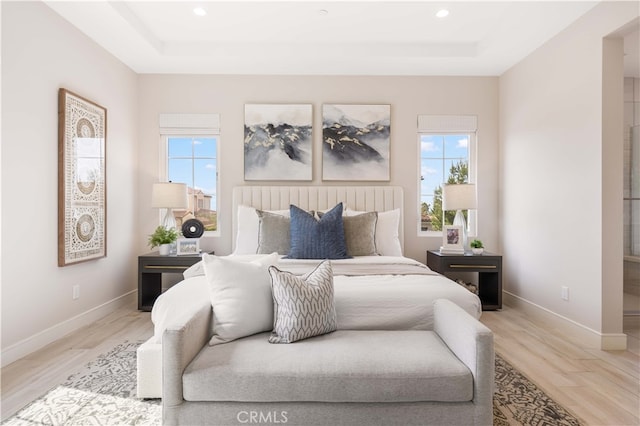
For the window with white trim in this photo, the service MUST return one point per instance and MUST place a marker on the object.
(190, 143)
(446, 146)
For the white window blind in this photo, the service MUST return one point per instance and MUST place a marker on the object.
(189, 124)
(447, 123)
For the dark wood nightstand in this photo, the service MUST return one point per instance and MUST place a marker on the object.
(487, 265)
(151, 266)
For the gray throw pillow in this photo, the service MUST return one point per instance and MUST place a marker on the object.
(360, 234)
(303, 307)
(273, 233)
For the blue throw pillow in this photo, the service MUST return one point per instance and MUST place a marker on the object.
(317, 239)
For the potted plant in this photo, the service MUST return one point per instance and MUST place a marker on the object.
(476, 247)
(163, 238)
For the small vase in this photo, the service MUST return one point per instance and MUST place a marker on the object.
(477, 250)
(164, 249)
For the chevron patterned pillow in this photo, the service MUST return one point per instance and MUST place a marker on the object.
(302, 306)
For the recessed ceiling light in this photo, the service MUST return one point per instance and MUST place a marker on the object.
(199, 11)
(442, 13)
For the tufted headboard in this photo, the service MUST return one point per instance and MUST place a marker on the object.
(364, 198)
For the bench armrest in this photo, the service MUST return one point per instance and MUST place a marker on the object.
(472, 343)
(181, 342)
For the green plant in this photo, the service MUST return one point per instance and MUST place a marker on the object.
(162, 235)
(476, 244)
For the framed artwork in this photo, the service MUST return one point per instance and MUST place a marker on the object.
(188, 246)
(82, 201)
(355, 142)
(277, 142)
(452, 238)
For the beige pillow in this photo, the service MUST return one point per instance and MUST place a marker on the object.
(360, 234)
(387, 232)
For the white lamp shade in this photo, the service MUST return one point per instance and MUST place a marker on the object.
(169, 195)
(460, 196)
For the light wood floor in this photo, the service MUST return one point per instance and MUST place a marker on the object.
(600, 387)
(32, 376)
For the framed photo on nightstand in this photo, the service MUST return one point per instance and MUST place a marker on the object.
(188, 246)
(452, 239)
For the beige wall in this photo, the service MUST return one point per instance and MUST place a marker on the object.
(408, 97)
(612, 184)
(559, 170)
(41, 53)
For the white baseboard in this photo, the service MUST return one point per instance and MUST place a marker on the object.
(574, 331)
(51, 334)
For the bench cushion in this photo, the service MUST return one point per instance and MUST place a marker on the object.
(343, 366)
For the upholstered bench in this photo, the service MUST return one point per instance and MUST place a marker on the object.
(354, 377)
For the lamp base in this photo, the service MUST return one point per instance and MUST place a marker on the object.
(459, 220)
(169, 220)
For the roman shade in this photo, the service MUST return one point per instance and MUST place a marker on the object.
(447, 123)
(189, 124)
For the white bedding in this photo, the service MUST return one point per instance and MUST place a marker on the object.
(375, 300)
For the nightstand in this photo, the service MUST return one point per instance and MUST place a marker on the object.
(151, 266)
(487, 265)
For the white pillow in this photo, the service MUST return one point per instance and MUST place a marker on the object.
(387, 233)
(195, 270)
(240, 296)
(248, 229)
(185, 296)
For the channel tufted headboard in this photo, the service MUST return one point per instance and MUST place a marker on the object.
(364, 198)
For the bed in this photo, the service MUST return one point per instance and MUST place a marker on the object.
(379, 290)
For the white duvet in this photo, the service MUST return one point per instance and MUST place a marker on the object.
(370, 300)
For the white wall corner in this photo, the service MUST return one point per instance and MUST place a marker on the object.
(572, 330)
(51, 334)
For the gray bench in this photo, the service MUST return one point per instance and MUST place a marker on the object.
(349, 377)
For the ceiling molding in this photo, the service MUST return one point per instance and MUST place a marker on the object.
(127, 14)
(294, 37)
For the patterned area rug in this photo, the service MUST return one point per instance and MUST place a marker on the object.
(517, 401)
(104, 393)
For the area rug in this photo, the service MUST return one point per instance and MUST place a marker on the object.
(518, 401)
(104, 393)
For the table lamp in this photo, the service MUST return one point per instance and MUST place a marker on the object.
(169, 195)
(461, 196)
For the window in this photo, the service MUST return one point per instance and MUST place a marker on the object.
(447, 146)
(191, 142)
(193, 161)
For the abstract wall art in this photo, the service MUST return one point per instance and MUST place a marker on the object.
(355, 142)
(277, 142)
(82, 220)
